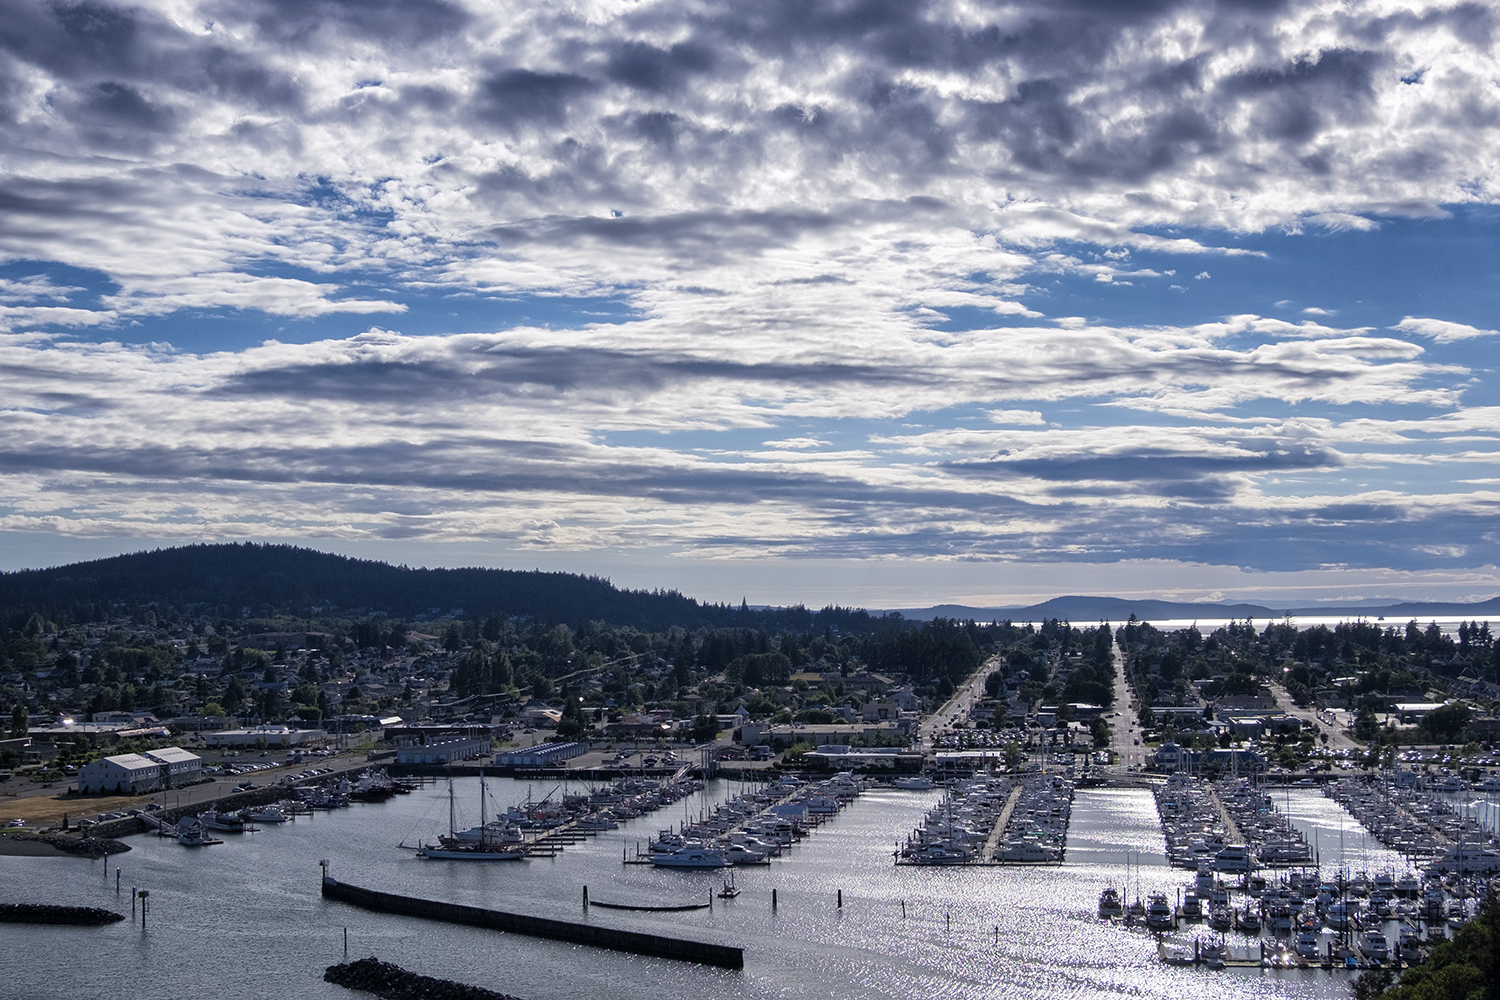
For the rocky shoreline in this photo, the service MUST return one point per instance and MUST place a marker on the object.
(391, 982)
(44, 913)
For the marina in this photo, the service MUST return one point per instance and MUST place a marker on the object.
(1027, 931)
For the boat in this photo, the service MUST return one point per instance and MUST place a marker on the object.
(1410, 945)
(190, 833)
(1467, 860)
(1159, 916)
(486, 848)
(1234, 858)
(1375, 946)
(1249, 920)
(692, 856)
(265, 814)
(918, 783)
(739, 854)
(1220, 918)
(1192, 906)
(1213, 954)
(222, 822)
(940, 854)
(1109, 903)
(1026, 851)
(730, 890)
(1307, 944)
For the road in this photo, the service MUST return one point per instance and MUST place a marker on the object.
(1125, 731)
(969, 694)
(1336, 738)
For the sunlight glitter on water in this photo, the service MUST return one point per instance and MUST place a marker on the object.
(247, 916)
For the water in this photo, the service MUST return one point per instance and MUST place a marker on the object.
(246, 918)
(1338, 838)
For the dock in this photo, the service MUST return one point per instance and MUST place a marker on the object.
(635, 942)
(987, 853)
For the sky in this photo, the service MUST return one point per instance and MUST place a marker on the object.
(882, 303)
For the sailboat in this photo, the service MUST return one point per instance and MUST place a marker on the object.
(450, 848)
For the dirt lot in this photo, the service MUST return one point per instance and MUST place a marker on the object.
(48, 810)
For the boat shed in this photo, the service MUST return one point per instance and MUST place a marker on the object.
(541, 755)
(443, 751)
(125, 774)
(178, 766)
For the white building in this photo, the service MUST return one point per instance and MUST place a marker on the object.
(443, 751)
(178, 766)
(125, 774)
(274, 736)
(541, 755)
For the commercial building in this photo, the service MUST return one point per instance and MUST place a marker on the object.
(178, 766)
(443, 751)
(270, 736)
(541, 755)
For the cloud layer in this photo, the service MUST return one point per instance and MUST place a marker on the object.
(835, 226)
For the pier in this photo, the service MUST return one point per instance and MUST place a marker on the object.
(723, 956)
(987, 854)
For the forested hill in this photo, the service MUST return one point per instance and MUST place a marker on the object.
(269, 579)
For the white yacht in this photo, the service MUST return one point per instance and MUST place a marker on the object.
(1375, 946)
(691, 856)
(265, 814)
(1468, 860)
(1159, 914)
(919, 783)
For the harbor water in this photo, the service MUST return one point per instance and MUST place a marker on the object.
(246, 918)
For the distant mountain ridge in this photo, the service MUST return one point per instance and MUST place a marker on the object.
(1117, 609)
(230, 579)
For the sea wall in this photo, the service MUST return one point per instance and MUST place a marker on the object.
(723, 956)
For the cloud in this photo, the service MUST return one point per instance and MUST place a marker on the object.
(801, 208)
(1442, 331)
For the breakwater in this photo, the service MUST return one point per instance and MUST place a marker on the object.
(391, 982)
(636, 942)
(46, 913)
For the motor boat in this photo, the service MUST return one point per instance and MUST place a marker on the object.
(1375, 946)
(1109, 903)
(692, 856)
(1159, 916)
(917, 783)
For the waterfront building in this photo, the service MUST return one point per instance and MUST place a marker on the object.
(443, 751)
(541, 755)
(178, 766)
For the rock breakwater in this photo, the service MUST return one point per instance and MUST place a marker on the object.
(45, 913)
(391, 982)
